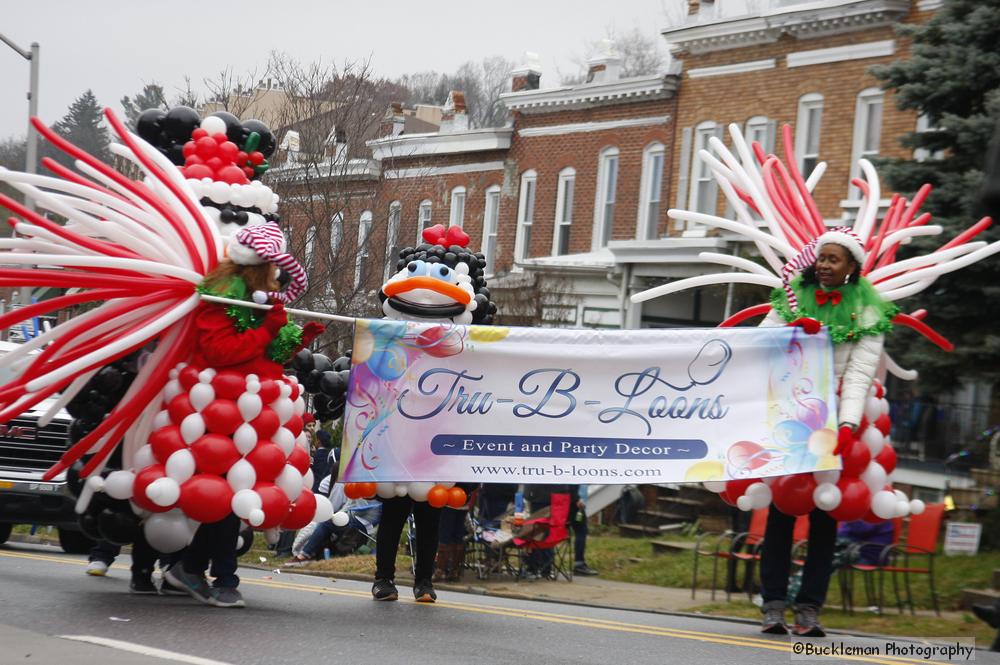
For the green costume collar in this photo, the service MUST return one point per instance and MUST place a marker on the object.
(860, 312)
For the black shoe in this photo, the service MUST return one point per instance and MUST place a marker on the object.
(423, 591)
(584, 569)
(384, 589)
(987, 613)
(196, 586)
(773, 622)
(807, 622)
(142, 586)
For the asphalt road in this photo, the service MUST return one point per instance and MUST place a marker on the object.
(53, 613)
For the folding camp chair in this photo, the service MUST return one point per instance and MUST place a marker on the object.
(871, 572)
(552, 535)
(921, 541)
(729, 546)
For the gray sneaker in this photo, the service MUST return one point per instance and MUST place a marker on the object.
(168, 589)
(807, 622)
(226, 597)
(195, 585)
(774, 618)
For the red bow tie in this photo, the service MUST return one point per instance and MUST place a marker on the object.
(832, 297)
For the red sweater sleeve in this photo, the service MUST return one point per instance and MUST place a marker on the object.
(221, 345)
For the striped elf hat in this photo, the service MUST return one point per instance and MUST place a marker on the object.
(841, 235)
(265, 243)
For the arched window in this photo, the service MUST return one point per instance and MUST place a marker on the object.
(650, 191)
(336, 234)
(703, 186)
(808, 125)
(392, 239)
(457, 217)
(760, 129)
(364, 237)
(525, 215)
(423, 219)
(491, 219)
(564, 211)
(607, 193)
(867, 131)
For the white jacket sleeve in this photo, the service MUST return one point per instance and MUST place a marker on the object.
(862, 364)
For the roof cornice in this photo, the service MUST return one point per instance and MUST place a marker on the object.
(415, 145)
(636, 89)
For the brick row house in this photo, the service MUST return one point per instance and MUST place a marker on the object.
(569, 200)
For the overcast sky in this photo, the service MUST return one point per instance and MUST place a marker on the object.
(115, 46)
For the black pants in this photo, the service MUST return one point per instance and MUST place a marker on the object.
(215, 542)
(776, 557)
(143, 556)
(390, 528)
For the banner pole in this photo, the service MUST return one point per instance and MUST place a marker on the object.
(296, 312)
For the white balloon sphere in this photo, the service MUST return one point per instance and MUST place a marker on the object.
(827, 496)
(201, 395)
(341, 519)
(902, 509)
(290, 482)
(245, 438)
(447, 486)
(143, 457)
(873, 438)
(241, 477)
(256, 517)
(161, 420)
(192, 428)
(284, 408)
(285, 440)
(163, 491)
(180, 465)
(716, 486)
(883, 407)
(827, 476)
(167, 532)
(244, 502)
(917, 506)
(324, 509)
(872, 409)
(418, 491)
(401, 489)
(213, 124)
(300, 406)
(744, 503)
(118, 484)
(250, 405)
(884, 504)
(172, 389)
(308, 480)
(759, 494)
(219, 192)
(272, 535)
(875, 477)
(385, 490)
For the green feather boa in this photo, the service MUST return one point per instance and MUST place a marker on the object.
(861, 312)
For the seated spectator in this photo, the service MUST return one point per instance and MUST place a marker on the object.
(872, 537)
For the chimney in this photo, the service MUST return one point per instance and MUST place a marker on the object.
(606, 64)
(694, 6)
(527, 76)
(393, 121)
(454, 118)
(336, 144)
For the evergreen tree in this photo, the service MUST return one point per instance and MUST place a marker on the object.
(953, 80)
(151, 96)
(83, 125)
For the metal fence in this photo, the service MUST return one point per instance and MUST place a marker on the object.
(931, 430)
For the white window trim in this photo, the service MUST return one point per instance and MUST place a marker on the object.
(424, 205)
(710, 127)
(567, 174)
(310, 247)
(754, 122)
(392, 237)
(489, 244)
(857, 142)
(520, 251)
(456, 216)
(599, 198)
(336, 233)
(363, 238)
(807, 102)
(646, 187)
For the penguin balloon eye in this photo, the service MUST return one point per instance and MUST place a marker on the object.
(441, 272)
(413, 266)
(417, 268)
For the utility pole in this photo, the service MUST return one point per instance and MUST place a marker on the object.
(32, 56)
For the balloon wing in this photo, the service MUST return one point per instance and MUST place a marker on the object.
(135, 249)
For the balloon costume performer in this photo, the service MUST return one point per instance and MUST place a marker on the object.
(206, 429)
(846, 279)
(437, 281)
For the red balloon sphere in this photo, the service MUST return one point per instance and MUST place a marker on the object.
(351, 491)
(887, 457)
(302, 511)
(294, 425)
(296, 391)
(229, 385)
(735, 489)
(269, 391)
(214, 453)
(456, 497)
(856, 458)
(196, 172)
(188, 377)
(793, 495)
(180, 408)
(205, 147)
(274, 503)
(437, 496)
(142, 481)
(267, 459)
(206, 498)
(188, 149)
(367, 490)
(222, 416)
(854, 502)
(233, 175)
(266, 424)
(198, 133)
(884, 424)
(165, 442)
(299, 459)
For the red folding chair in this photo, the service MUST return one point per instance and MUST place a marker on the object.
(730, 546)
(921, 541)
(871, 573)
(556, 538)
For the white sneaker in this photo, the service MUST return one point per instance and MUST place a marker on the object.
(97, 568)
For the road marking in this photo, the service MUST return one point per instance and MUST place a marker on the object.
(143, 650)
(533, 615)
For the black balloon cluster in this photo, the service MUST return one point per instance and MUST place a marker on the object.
(168, 131)
(451, 256)
(325, 380)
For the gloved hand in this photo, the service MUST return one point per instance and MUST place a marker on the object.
(275, 318)
(810, 326)
(311, 331)
(845, 438)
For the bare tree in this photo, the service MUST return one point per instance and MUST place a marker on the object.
(482, 82)
(641, 54)
(536, 300)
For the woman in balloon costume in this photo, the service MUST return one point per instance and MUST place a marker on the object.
(845, 280)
